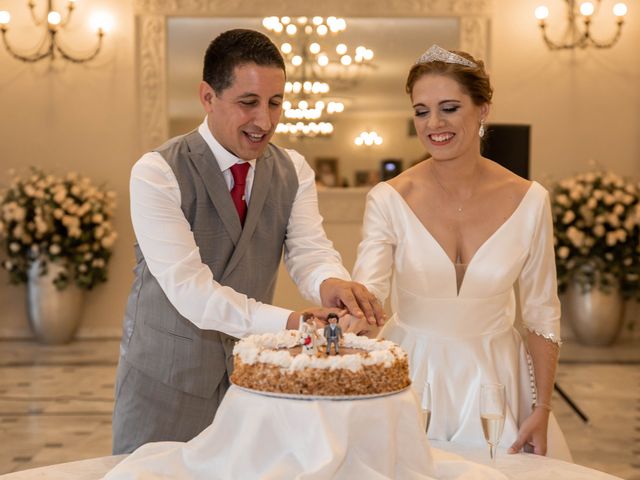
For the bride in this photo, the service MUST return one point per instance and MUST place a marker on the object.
(452, 236)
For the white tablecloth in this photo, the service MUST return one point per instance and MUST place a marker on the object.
(255, 436)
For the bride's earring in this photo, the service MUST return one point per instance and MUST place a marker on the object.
(481, 130)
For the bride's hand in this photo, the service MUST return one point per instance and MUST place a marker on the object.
(533, 432)
(359, 326)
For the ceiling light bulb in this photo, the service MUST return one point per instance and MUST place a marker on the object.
(314, 48)
(323, 60)
(286, 48)
(302, 20)
(101, 22)
(587, 9)
(296, 61)
(341, 49)
(368, 54)
(5, 17)
(317, 20)
(54, 18)
(322, 30)
(541, 12)
(285, 20)
(291, 29)
(619, 9)
(345, 60)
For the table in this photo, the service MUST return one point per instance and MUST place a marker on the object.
(281, 438)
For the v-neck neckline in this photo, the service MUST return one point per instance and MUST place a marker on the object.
(478, 250)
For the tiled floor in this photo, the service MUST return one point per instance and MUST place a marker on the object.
(55, 404)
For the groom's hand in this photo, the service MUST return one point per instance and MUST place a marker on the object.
(353, 296)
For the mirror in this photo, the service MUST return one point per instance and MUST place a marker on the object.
(387, 21)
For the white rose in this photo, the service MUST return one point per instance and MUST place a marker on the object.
(98, 263)
(19, 214)
(598, 230)
(8, 264)
(107, 242)
(592, 203)
(609, 199)
(55, 249)
(563, 252)
(568, 217)
(598, 194)
(575, 236)
(575, 194)
(82, 268)
(35, 249)
(60, 196)
(97, 218)
(29, 190)
(613, 220)
(14, 247)
(618, 209)
(621, 235)
(562, 199)
(75, 191)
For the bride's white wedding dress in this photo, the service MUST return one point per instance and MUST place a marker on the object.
(457, 341)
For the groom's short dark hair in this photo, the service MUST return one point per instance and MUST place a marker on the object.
(237, 47)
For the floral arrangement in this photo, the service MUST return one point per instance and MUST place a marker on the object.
(597, 232)
(65, 220)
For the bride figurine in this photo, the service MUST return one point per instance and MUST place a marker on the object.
(308, 334)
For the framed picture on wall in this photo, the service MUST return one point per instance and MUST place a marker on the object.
(327, 172)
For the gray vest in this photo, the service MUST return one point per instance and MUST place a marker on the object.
(158, 340)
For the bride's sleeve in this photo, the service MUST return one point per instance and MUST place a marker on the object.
(538, 284)
(375, 253)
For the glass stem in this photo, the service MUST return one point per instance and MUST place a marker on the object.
(492, 452)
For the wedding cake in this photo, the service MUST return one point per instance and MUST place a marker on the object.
(276, 363)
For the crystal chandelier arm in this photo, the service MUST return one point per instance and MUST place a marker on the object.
(77, 59)
(579, 42)
(67, 18)
(613, 40)
(39, 55)
(32, 10)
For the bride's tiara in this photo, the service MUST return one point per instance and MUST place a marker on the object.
(439, 54)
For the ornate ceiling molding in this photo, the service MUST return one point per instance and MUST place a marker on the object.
(151, 37)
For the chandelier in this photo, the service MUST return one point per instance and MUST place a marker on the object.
(368, 139)
(316, 60)
(577, 36)
(54, 22)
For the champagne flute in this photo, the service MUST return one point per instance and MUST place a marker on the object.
(492, 413)
(426, 406)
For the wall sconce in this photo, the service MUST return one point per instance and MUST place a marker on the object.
(368, 139)
(575, 36)
(54, 22)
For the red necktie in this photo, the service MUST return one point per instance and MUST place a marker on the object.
(239, 172)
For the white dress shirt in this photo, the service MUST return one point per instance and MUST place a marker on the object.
(173, 258)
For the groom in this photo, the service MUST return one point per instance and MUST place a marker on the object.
(213, 211)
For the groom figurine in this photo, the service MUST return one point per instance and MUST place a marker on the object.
(333, 333)
(213, 211)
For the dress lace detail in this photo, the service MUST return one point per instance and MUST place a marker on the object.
(552, 337)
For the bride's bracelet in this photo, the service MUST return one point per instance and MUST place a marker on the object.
(546, 406)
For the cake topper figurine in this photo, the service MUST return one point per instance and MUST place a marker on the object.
(333, 333)
(308, 334)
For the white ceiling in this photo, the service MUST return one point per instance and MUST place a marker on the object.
(396, 42)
